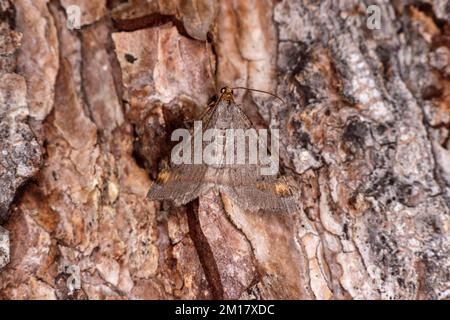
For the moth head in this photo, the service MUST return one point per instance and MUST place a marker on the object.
(226, 93)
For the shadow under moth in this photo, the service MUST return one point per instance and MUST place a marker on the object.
(244, 178)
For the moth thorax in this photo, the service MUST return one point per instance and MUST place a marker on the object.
(227, 94)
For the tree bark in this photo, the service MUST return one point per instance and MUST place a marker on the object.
(85, 122)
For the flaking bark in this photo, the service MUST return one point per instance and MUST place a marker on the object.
(85, 124)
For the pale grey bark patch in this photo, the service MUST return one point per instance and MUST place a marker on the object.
(4, 247)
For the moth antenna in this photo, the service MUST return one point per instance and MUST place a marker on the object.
(262, 91)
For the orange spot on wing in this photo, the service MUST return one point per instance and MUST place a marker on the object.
(261, 186)
(282, 189)
(163, 176)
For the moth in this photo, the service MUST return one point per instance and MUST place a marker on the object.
(246, 183)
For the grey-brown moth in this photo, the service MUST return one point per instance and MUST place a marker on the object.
(244, 183)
